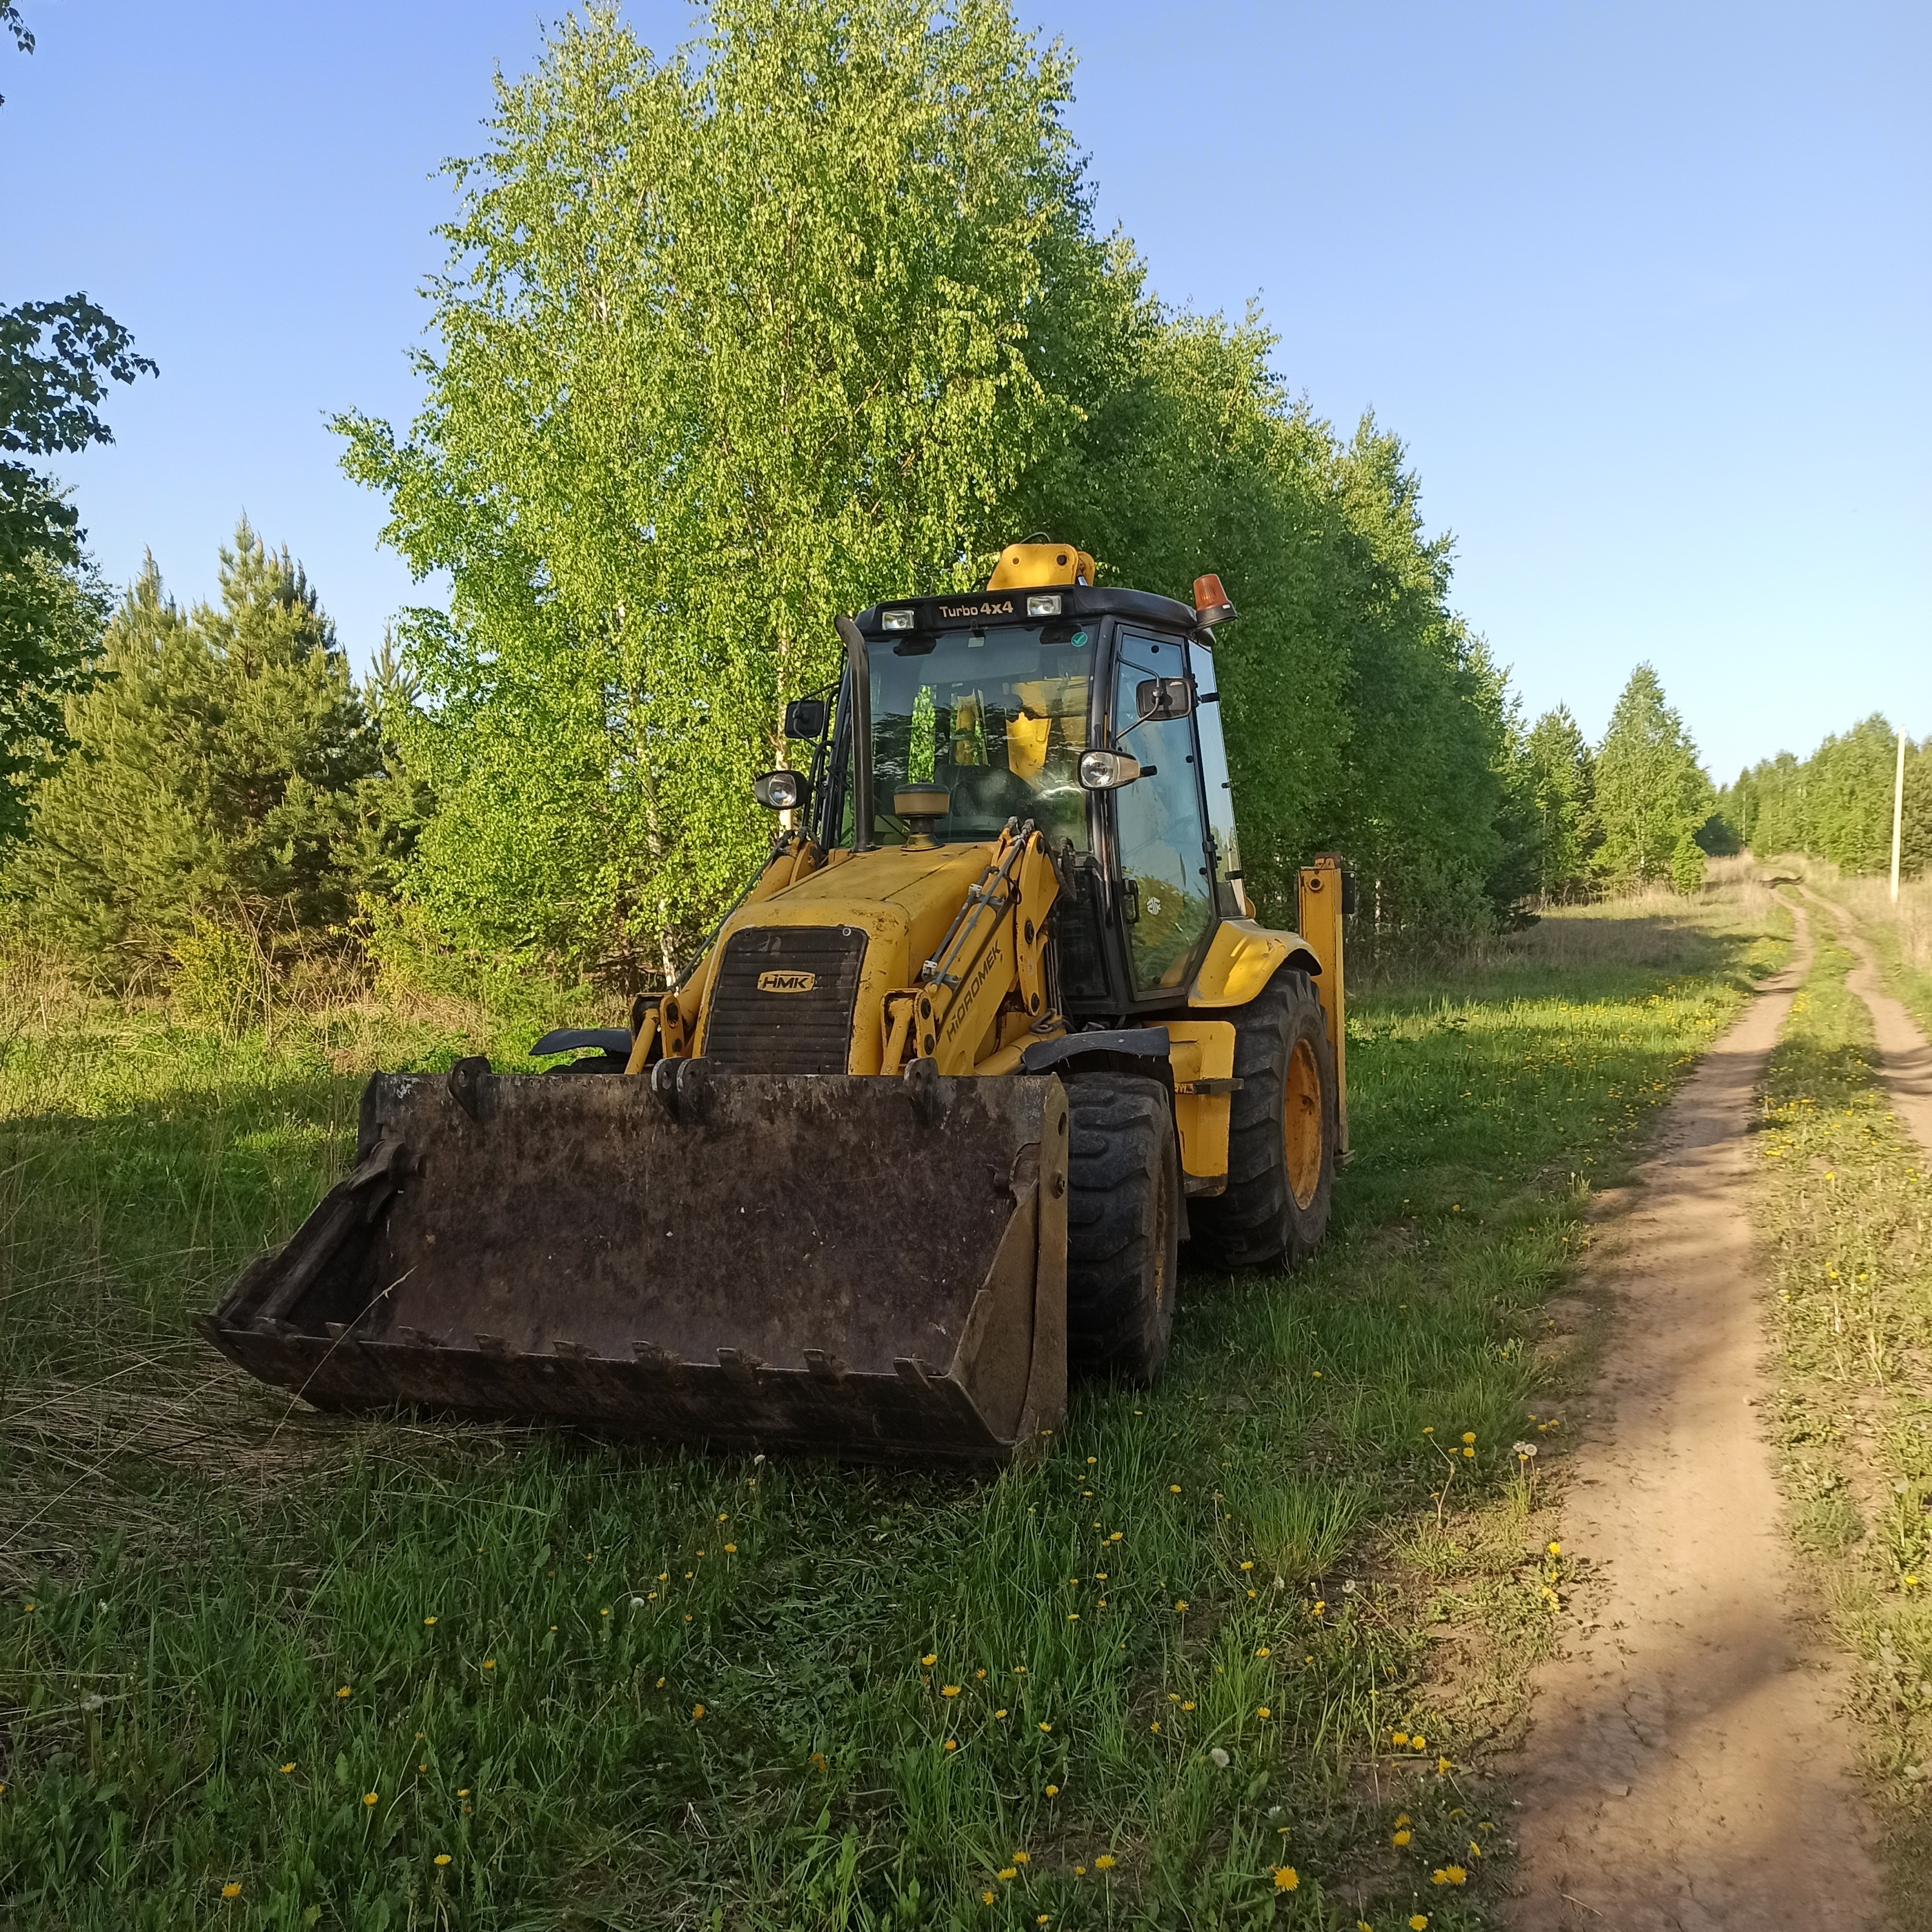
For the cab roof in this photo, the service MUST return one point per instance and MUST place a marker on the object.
(968, 608)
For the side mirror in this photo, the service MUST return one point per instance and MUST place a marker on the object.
(804, 719)
(778, 791)
(1108, 771)
(1158, 699)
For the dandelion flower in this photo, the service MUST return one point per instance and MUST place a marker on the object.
(931, 1660)
(731, 1549)
(1115, 1538)
(986, 1898)
(1556, 1549)
(429, 1620)
(1469, 1435)
(1416, 1921)
(1174, 1489)
(1468, 1452)
(1263, 1712)
(1443, 1767)
(604, 1612)
(1402, 1737)
(999, 1714)
(1402, 1818)
(1286, 1878)
(1401, 1838)
(368, 1797)
(231, 1890)
(1188, 1704)
(1262, 1651)
(489, 1664)
(1046, 1727)
(980, 1674)
(1073, 1616)
(1105, 1862)
(464, 1792)
(1181, 1602)
(1053, 1791)
(289, 1767)
(1247, 1566)
(343, 1692)
(952, 1744)
(1155, 1726)
(949, 1690)
(1006, 1874)
(1022, 1858)
(696, 1711)
(1319, 1608)
(1079, 1871)
(1439, 1876)
(1420, 1742)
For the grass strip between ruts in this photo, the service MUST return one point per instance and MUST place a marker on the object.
(380, 1674)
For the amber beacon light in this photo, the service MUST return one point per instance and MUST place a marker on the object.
(1210, 602)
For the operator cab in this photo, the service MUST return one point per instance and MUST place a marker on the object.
(1092, 712)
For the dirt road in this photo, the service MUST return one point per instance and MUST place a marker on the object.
(1905, 1061)
(1687, 1767)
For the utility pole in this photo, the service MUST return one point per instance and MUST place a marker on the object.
(1897, 815)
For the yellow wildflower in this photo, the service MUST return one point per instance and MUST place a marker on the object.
(489, 1664)
(731, 1549)
(1188, 1706)
(1174, 1489)
(986, 1898)
(1105, 1862)
(1021, 1858)
(343, 1692)
(368, 1797)
(1456, 1874)
(1247, 1566)
(1263, 1712)
(1443, 1767)
(1046, 1727)
(1402, 1737)
(429, 1620)
(1439, 1876)
(1469, 1435)
(1400, 1838)
(1416, 1921)
(949, 1690)
(231, 1890)
(999, 1714)
(952, 1744)
(1262, 1651)
(930, 1661)
(1053, 1791)
(289, 1767)
(1286, 1878)
(1181, 1602)
(1006, 1874)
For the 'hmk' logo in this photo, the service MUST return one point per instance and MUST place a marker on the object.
(787, 983)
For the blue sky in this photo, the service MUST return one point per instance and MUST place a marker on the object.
(1643, 287)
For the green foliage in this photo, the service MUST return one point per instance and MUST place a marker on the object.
(1837, 803)
(56, 360)
(811, 314)
(729, 341)
(1563, 783)
(1651, 795)
(224, 768)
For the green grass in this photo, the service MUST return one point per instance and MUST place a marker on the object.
(1844, 1202)
(208, 1573)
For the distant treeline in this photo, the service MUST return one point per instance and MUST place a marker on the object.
(812, 313)
(1837, 803)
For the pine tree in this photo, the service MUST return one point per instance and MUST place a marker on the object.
(225, 768)
(1651, 795)
(1563, 781)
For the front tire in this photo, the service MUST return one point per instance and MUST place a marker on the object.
(1282, 1131)
(1122, 1227)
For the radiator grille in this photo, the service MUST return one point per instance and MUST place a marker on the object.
(753, 1027)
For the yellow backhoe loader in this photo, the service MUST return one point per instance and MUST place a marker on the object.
(992, 1033)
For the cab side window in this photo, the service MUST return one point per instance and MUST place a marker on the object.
(1167, 893)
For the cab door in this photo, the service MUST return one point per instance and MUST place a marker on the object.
(1166, 895)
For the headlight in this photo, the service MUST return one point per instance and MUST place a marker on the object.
(896, 620)
(1047, 606)
(1108, 771)
(778, 791)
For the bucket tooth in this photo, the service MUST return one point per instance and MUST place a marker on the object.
(825, 1366)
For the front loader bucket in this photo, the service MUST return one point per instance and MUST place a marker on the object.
(862, 1267)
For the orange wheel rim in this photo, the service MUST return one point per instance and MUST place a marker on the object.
(1301, 1124)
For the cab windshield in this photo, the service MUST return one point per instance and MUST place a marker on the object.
(997, 717)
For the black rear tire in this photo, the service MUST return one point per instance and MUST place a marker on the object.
(1283, 1127)
(1122, 1227)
